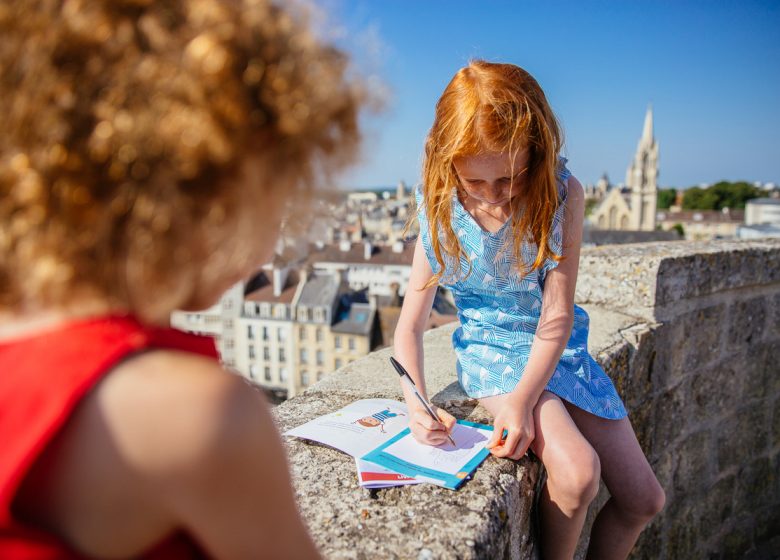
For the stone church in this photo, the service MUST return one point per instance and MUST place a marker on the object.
(634, 209)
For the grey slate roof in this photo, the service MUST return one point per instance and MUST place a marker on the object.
(319, 290)
(358, 320)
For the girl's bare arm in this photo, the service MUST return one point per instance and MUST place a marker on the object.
(408, 348)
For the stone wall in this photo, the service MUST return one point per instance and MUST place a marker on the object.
(702, 386)
(689, 332)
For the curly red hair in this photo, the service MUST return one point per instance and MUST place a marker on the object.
(125, 125)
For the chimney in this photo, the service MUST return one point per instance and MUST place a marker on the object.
(368, 250)
(279, 278)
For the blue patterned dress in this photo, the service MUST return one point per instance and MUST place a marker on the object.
(499, 312)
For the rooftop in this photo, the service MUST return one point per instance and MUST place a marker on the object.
(319, 290)
(262, 289)
(380, 255)
(357, 319)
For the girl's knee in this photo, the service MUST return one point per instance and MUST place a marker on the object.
(645, 502)
(578, 485)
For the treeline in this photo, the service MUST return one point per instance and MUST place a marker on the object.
(715, 197)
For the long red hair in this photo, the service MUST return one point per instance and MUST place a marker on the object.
(489, 107)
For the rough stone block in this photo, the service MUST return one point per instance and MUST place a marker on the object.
(716, 390)
(661, 369)
(742, 437)
(755, 485)
(759, 370)
(700, 336)
(746, 320)
(767, 526)
(717, 505)
(693, 473)
(682, 536)
(671, 415)
(738, 539)
(773, 324)
(775, 438)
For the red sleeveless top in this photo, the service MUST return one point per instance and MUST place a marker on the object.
(42, 379)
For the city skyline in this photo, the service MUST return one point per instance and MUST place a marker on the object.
(709, 72)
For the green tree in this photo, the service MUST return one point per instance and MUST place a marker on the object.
(697, 198)
(666, 198)
(720, 195)
(734, 195)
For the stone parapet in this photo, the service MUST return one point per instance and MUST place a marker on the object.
(689, 333)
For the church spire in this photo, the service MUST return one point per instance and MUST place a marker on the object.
(647, 131)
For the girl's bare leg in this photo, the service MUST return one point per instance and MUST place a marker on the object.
(573, 472)
(636, 495)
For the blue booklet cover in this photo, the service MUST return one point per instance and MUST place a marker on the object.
(445, 465)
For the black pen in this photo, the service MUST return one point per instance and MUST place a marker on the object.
(428, 407)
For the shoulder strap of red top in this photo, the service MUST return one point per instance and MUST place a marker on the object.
(43, 378)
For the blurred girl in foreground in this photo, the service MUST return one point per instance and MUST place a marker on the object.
(148, 153)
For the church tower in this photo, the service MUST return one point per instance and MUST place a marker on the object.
(642, 178)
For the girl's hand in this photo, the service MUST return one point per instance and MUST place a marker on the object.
(517, 418)
(426, 430)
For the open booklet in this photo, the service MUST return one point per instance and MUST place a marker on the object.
(376, 433)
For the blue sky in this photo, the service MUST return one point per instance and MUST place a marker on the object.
(710, 69)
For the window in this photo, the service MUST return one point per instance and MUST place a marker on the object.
(319, 376)
(229, 324)
(318, 335)
(303, 355)
(281, 334)
(253, 372)
(252, 352)
(282, 374)
(319, 357)
(338, 363)
(267, 372)
(229, 343)
(266, 353)
(302, 333)
(265, 333)
(351, 343)
(250, 332)
(305, 378)
(337, 342)
(281, 354)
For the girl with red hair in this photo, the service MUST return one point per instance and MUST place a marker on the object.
(500, 222)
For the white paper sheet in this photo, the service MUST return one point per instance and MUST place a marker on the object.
(444, 458)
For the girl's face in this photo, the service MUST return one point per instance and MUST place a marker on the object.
(492, 178)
